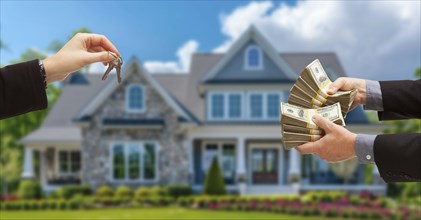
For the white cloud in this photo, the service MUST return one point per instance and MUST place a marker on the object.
(376, 40)
(184, 54)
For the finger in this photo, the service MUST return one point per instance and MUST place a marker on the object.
(96, 49)
(335, 86)
(101, 40)
(103, 56)
(323, 123)
(307, 148)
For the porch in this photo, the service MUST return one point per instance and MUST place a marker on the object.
(58, 166)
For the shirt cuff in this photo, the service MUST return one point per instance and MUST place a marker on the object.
(364, 148)
(373, 100)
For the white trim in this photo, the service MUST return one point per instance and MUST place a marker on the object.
(127, 98)
(252, 33)
(132, 67)
(280, 162)
(246, 58)
(140, 145)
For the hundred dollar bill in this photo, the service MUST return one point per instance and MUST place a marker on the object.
(289, 136)
(295, 115)
(291, 144)
(301, 130)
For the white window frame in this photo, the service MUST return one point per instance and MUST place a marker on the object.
(226, 95)
(246, 58)
(265, 95)
(140, 145)
(267, 103)
(69, 162)
(127, 99)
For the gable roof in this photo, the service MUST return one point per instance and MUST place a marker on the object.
(132, 67)
(252, 33)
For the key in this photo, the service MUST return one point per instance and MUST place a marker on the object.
(116, 63)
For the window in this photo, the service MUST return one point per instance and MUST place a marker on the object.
(234, 104)
(273, 105)
(69, 161)
(135, 98)
(134, 161)
(217, 106)
(253, 58)
(256, 105)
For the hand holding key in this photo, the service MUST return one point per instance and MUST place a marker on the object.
(83, 49)
(116, 63)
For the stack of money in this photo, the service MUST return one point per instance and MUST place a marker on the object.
(310, 90)
(297, 124)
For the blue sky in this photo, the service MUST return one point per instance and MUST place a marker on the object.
(373, 39)
(150, 30)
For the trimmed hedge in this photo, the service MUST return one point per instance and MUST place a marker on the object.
(214, 182)
(30, 190)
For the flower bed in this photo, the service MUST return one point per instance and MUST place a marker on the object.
(314, 204)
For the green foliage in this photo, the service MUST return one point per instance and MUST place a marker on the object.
(104, 191)
(68, 192)
(178, 190)
(30, 190)
(214, 182)
(124, 194)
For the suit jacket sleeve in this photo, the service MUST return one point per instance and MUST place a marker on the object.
(401, 99)
(21, 89)
(397, 157)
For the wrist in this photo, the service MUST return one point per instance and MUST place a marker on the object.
(50, 69)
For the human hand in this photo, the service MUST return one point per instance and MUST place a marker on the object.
(345, 84)
(337, 145)
(81, 50)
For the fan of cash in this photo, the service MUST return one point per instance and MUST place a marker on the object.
(310, 90)
(309, 97)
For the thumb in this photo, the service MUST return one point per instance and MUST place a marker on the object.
(335, 86)
(323, 123)
(103, 56)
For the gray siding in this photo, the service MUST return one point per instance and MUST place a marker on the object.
(234, 69)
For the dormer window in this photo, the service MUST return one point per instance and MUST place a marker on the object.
(253, 58)
(135, 98)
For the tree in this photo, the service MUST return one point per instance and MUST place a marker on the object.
(214, 182)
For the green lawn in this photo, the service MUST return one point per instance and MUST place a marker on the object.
(143, 213)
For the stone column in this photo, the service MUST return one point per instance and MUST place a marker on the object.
(28, 167)
(294, 171)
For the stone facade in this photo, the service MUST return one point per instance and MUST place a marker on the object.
(171, 153)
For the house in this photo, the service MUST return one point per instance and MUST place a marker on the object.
(159, 129)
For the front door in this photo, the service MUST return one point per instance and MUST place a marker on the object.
(264, 165)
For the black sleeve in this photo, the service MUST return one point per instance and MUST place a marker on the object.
(21, 89)
(397, 157)
(401, 99)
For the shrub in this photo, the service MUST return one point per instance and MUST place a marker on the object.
(52, 204)
(29, 190)
(104, 191)
(214, 182)
(43, 204)
(178, 190)
(157, 191)
(56, 194)
(68, 192)
(62, 204)
(124, 194)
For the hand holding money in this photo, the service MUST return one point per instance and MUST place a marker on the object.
(347, 84)
(336, 145)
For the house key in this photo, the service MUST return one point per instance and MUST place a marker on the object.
(116, 63)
